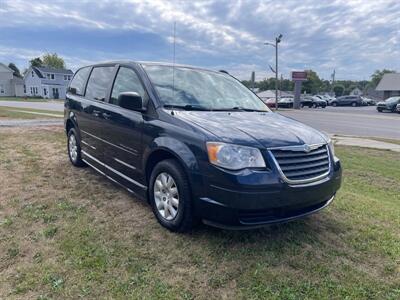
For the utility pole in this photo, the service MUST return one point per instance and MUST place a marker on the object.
(276, 71)
(333, 79)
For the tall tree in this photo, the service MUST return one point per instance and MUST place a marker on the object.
(36, 62)
(377, 76)
(313, 85)
(53, 61)
(13, 67)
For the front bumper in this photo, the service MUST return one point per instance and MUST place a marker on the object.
(276, 201)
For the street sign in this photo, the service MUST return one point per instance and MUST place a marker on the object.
(299, 75)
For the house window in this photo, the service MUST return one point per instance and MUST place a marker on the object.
(33, 74)
(65, 77)
(48, 75)
(31, 90)
(45, 91)
(36, 90)
(2, 89)
(52, 76)
(24, 89)
(69, 77)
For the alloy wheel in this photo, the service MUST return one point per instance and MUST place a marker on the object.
(73, 148)
(166, 196)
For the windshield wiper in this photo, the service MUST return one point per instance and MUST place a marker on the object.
(247, 109)
(187, 107)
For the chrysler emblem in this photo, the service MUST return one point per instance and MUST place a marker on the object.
(307, 148)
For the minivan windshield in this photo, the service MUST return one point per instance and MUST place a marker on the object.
(194, 89)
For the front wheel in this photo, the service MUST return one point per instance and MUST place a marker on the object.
(354, 104)
(170, 196)
(334, 104)
(74, 148)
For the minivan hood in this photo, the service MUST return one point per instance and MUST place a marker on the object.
(253, 128)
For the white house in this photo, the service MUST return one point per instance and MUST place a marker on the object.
(47, 82)
(10, 85)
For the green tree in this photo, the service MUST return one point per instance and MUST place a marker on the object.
(36, 62)
(313, 85)
(377, 76)
(53, 61)
(338, 89)
(13, 67)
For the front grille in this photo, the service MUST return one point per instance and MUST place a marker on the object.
(299, 166)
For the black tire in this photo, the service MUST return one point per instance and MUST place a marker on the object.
(76, 161)
(334, 104)
(379, 110)
(301, 105)
(184, 219)
(353, 104)
(314, 105)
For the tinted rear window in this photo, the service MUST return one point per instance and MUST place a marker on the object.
(99, 81)
(77, 85)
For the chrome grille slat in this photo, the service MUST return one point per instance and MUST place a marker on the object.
(306, 172)
(283, 153)
(304, 166)
(302, 160)
(298, 166)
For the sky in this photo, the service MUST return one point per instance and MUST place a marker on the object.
(354, 37)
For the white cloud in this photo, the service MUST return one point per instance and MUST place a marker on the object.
(354, 35)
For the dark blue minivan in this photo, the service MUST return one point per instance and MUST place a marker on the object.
(197, 145)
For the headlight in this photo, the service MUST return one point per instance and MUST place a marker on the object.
(234, 157)
(331, 146)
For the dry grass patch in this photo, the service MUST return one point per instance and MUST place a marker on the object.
(70, 233)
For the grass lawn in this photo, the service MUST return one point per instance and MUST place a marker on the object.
(70, 233)
(23, 99)
(27, 113)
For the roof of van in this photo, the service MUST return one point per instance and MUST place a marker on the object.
(155, 63)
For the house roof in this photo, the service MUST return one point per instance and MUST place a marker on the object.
(53, 70)
(6, 68)
(389, 82)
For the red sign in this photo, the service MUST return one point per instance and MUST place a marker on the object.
(299, 75)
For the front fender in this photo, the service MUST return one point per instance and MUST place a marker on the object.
(180, 150)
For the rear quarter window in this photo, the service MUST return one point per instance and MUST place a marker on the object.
(77, 85)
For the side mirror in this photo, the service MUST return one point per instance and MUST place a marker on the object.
(72, 90)
(131, 101)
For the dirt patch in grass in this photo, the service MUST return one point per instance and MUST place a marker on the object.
(70, 233)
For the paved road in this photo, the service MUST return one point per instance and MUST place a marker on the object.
(358, 121)
(30, 123)
(55, 106)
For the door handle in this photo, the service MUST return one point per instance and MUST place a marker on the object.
(106, 116)
(96, 113)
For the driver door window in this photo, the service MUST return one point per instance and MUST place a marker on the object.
(126, 81)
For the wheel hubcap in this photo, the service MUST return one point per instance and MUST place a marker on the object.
(73, 148)
(166, 196)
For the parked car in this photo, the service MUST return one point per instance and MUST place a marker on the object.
(347, 100)
(368, 101)
(388, 105)
(312, 101)
(398, 108)
(197, 147)
(270, 102)
(286, 102)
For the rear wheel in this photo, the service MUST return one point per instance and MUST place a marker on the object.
(379, 109)
(334, 104)
(354, 104)
(314, 105)
(170, 196)
(74, 148)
